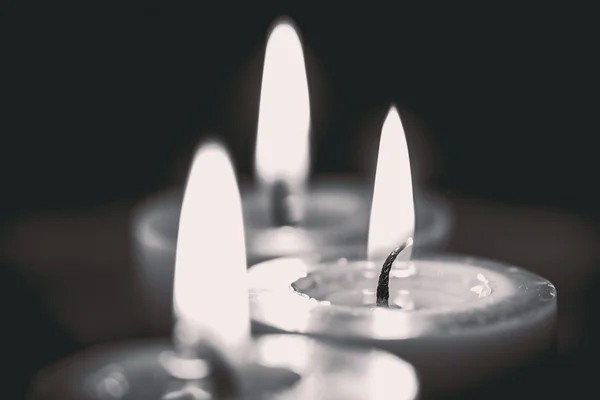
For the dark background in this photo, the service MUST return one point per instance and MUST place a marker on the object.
(102, 106)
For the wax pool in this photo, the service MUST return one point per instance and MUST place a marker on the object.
(356, 286)
(459, 320)
(283, 367)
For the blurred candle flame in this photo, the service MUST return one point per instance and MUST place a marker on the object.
(392, 212)
(210, 291)
(282, 142)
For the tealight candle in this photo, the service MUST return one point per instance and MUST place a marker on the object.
(460, 321)
(213, 354)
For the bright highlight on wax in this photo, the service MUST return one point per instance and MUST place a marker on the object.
(210, 289)
(392, 212)
(282, 143)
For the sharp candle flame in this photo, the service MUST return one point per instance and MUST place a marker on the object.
(282, 143)
(210, 291)
(392, 211)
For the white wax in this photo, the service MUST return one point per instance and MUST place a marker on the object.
(460, 321)
(283, 367)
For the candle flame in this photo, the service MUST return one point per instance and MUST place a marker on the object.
(392, 220)
(210, 290)
(282, 143)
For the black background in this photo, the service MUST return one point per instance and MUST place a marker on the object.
(100, 103)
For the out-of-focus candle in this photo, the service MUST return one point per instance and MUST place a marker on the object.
(214, 355)
(459, 320)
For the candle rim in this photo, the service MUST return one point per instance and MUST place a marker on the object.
(317, 317)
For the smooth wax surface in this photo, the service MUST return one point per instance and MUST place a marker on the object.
(285, 367)
(458, 320)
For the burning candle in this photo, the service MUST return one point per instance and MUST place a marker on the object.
(460, 321)
(283, 214)
(214, 355)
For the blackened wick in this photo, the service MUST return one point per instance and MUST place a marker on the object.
(383, 286)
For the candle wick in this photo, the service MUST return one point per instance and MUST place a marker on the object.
(383, 285)
(284, 208)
